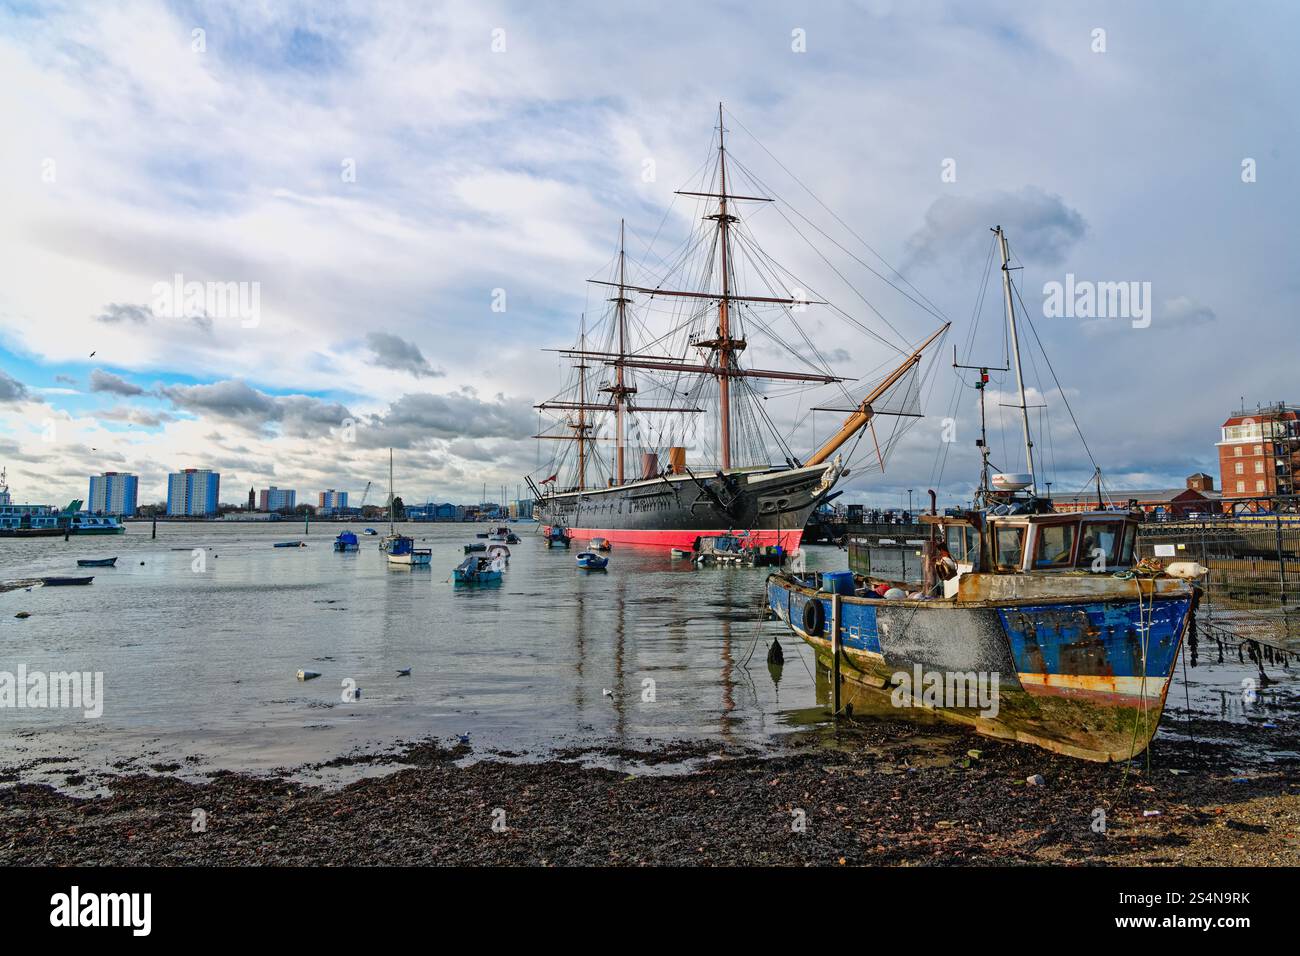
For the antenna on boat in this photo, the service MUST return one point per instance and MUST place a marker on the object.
(983, 442)
(1015, 351)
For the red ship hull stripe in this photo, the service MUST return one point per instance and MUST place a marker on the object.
(681, 538)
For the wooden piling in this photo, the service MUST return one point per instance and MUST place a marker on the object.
(835, 655)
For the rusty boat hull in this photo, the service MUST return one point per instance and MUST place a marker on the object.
(1081, 664)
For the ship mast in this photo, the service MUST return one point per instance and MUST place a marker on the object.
(620, 390)
(1015, 351)
(724, 345)
(864, 413)
(582, 409)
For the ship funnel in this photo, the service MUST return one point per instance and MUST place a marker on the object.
(677, 459)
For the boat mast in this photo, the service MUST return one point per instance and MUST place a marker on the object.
(582, 408)
(983, 442)
(864, 412)
(724, 345)
(620, 390)
(1015, 351)
(390, 491)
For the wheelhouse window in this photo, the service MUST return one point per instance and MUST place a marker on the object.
(1055, 546)
(1130, 539)
(1101, 541)
(1008, 546)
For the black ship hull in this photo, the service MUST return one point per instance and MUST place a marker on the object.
(671, 511)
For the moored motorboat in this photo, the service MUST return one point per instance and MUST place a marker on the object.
(96, 562)
(346, 541)
(600, 544)
(737, 550)
(370, 531)
(403, 551)
(557, 537)
(590, 561)
(479, 569)
(290, 544)
(54, 582)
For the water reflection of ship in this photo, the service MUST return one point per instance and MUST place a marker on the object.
(627, 676)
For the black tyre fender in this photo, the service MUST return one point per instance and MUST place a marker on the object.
(814, 618)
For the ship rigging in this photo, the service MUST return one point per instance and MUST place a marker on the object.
(716, 291)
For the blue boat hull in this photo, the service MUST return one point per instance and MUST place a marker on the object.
(1085, 677)
(477, 577)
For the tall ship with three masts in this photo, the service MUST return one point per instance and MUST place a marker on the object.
(665, 433)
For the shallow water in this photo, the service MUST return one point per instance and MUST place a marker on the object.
(200, 657)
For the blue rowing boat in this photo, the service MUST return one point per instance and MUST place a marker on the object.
(590, 561)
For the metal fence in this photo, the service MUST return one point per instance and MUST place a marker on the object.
(1254, 577)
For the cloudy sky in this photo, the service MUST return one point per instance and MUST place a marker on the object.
(419, 192)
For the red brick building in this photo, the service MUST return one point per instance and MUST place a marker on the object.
(1259, 453)
(1199, 497)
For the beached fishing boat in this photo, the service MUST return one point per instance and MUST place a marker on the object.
(590, 561)
(1026, 624)
(403, 551)
(479, 569)
(693, 362)
(346, 541)
(96, 562)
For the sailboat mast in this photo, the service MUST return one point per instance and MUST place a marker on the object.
(1015, 351)
(724, 319)
(582, 409)
(620, 394)
(390, 491)
(864, 413)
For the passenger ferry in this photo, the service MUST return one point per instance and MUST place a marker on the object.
(43, 521)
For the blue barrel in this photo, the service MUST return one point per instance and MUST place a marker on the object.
(838, 582)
